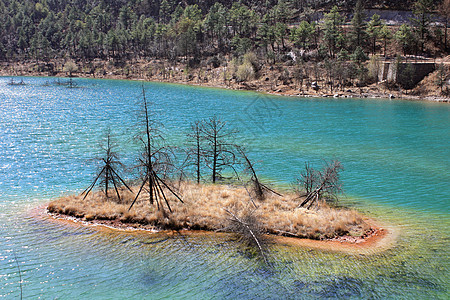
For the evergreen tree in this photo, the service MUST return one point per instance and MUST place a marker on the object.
(281, 30)
(216, 24)
(333, 35)
(441, 77)
(404, 38)
(358, 26)
(301, 35)
(266, 34)
(444, 10)
(243, 20)
(422, 11)
(374, 27)
(2, 51)
(386, 36)
(189, 30)
(164, 11)
(282, 12)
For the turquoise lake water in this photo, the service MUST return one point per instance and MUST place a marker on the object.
(396, 156)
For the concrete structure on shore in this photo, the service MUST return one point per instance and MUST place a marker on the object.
(389, 70)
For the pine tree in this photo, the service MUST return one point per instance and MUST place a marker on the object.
(444, 10)
(441, 77)
(374, 27)
(422, 11)
(333, 35)
(404, 37)
(301, 35)
(358, 33)
(386, 36)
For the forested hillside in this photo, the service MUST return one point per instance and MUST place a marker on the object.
(334, 35)
(143, 28)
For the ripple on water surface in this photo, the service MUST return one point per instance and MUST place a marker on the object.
(396, 160)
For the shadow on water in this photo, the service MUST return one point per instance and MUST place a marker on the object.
(332, 288)
(414, 280)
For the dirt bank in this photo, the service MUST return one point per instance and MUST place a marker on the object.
(336, 229)
(270, 79)
(380, 238)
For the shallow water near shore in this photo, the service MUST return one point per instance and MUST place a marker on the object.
(396, 159)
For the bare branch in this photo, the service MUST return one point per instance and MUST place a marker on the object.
(108, 174)
(258, 188)
(249, 229)
(155, 160)
(321, 185)
(219, 152)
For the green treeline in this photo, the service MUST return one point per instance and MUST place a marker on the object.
(169, 29)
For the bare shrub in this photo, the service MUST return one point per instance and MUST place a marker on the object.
(259, 189)
(245, 72)
(252, 59)
(249, 228)
(374, 69)
(70, 67)
(320, 186)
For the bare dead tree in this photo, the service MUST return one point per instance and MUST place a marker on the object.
(309, 179)
(249, 229)
(108, 175)
(196, 152)
(323, 185)
(219, 151)
(156, 164)
(259, 188)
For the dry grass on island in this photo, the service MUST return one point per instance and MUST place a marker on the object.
(163, 204)
(205, 206)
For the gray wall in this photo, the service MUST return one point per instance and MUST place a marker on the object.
(388, 71)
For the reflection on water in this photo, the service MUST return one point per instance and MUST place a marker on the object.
(396, 160)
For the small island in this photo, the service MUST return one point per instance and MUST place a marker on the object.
(209, 207)
(240, 204)
(169, 196)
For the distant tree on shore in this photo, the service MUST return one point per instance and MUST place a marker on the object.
(386, 36)
(422, 10)
(358, 35)
(404, 37)
(169, 36)
(441, 77)
(167, 29)
(333, 34)
(70, 67)
(374, 27)
(444, 10)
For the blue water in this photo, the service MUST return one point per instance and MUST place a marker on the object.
(396, 159)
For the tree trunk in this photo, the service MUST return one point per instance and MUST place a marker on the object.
(214, 158)
(445, 34)
(198, 157)
(106, 182)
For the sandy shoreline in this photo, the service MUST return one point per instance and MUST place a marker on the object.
(369, 92)
(381, 238)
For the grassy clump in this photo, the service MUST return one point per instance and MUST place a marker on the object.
(205, 206)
